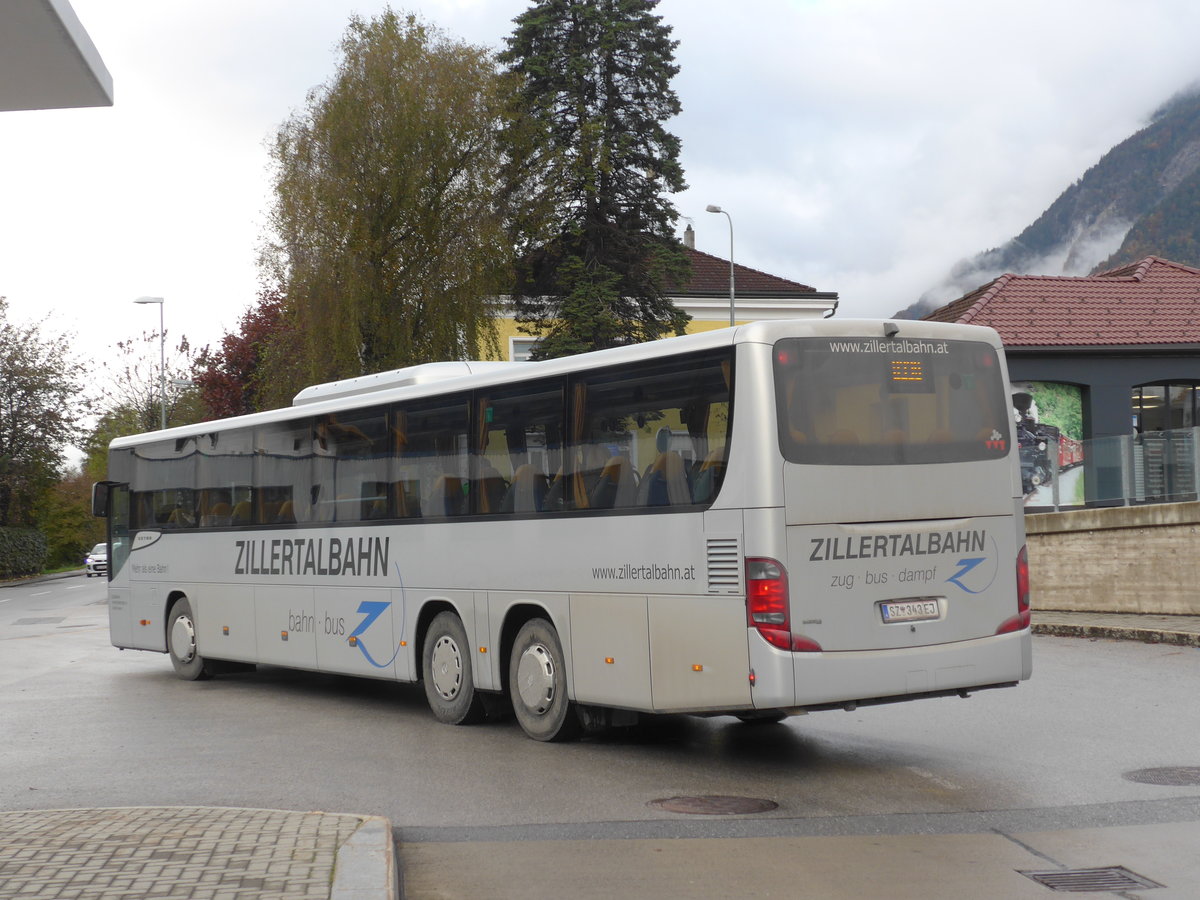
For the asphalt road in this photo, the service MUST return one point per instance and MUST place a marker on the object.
(87, 725)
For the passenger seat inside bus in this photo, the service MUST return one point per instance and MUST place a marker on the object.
(241, 513)
(666, 484)
(527, 492)
(615, 487)
(446, 497)
(704, 484)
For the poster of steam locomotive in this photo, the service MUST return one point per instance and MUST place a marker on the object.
(1049, 419)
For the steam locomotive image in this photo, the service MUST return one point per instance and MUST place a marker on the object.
(1036, 441)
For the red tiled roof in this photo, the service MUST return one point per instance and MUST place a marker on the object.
(710, 278)
(1154, 301)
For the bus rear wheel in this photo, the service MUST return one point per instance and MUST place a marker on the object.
(181, 643)
(449, 682)
(537, 684)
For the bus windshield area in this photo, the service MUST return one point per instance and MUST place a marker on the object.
(889, 401)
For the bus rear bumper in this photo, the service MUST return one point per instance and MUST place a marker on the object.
(825, 680)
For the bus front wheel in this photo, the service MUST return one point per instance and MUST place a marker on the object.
(537, 684)
(181, 643)
(449, 685)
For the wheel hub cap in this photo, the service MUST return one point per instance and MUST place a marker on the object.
(183, 639)
(535, 679)
(446, 665)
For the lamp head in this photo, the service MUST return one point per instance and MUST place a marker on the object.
(712, 207)
(148, 300)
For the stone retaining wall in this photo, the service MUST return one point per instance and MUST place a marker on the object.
(1139, 559)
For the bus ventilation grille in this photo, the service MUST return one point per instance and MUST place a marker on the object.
(724, 566)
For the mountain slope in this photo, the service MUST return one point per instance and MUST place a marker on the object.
(1141, 199)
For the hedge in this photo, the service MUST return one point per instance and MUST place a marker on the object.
(22, 552)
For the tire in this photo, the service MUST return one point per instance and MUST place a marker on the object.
(537, 684)
(181, 643)
(447, 674)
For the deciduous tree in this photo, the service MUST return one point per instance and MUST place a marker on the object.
(42, 403)
(134, 387)
(230, 377)
(391, 222)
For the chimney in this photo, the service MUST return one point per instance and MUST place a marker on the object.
(689, 237)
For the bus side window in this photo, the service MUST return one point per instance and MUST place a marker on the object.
(283, 471)
(430, 462)
(358, 446)
(662, 418)
(517, 449)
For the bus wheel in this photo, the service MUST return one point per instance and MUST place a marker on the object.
(181, 643)
(449, 687)
(537, 683)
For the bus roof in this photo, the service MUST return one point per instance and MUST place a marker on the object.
(433, 378)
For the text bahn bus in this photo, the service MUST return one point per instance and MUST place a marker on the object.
(758, 521)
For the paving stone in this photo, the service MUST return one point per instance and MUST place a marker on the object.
(168, 853)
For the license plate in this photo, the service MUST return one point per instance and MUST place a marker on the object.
(918, 610)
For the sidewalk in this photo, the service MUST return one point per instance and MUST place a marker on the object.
(1184, 630)
(195, 853)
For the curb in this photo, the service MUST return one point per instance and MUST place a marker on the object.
(1118, 633)
(37, 579)
(365, 868)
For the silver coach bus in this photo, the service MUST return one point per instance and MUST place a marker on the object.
(758, 521)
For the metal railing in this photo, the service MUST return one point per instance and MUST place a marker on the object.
(1125, 470)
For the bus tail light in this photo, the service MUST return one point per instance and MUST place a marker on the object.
(767, 607)
(1021, 620)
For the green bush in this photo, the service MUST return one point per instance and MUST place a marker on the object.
(22, 552)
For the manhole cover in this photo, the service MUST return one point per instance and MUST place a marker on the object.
(1110, 878)
(714, 806)
(1173, 776)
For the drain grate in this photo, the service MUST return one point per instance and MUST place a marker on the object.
(1110, 878)
(714, 805)
(1173, 776)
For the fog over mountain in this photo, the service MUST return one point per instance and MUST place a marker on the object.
(1141, 199)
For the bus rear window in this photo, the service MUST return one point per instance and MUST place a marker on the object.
(900, 401)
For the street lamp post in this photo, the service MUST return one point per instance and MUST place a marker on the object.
(162, 356)
(712, 208)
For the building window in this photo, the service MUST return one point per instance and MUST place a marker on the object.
(1163, 407)
(519, 348)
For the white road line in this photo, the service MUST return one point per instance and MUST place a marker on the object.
(945, 783)
(39, 593)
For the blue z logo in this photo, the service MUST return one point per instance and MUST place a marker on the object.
(967, 565)
(370, 610)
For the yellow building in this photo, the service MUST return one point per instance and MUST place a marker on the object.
(757, 296)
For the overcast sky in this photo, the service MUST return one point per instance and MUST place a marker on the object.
(861, 146)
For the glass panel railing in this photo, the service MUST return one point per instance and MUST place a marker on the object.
(1125, 470)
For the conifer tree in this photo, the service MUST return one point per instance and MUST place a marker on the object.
(596, 74)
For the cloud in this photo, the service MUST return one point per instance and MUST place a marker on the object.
(860, 146)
